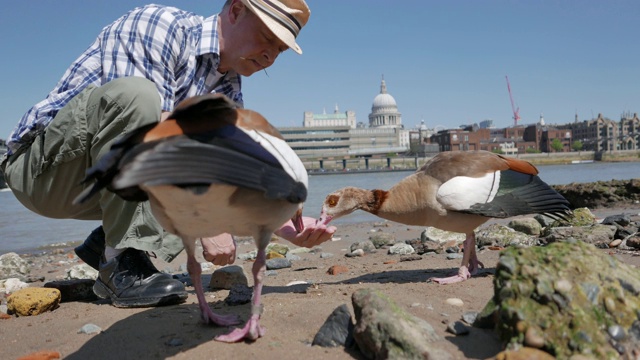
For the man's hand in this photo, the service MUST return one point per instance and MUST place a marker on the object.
(220, 250)
(313, 234)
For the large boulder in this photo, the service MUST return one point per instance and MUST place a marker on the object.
(567, 298)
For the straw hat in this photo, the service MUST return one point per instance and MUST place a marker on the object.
(284, 18)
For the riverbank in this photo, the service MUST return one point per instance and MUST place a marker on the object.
(384, 164)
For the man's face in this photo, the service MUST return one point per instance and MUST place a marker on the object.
(251, 46)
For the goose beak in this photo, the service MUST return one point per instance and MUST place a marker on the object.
(324, 218)
(297, 221)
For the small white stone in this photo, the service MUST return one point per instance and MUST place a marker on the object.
(615, 243)
(297, 282)
(455, 302)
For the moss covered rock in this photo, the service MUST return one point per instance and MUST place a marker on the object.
(566, 299)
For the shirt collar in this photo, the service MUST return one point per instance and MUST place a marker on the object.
(209, 39)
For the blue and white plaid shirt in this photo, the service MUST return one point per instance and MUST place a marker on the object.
(177, 50)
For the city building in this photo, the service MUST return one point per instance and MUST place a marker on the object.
(384, 110)
(348, 118)
(604, 134)
(340, 135)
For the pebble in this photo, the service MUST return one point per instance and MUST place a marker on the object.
(469, 317)
(616, 332)
(615, 243)
(90, 329)
(355, 253)
(533, 339)
(278, 263)
(455, 302)
(458, 328)
(297, 282)
(174, 342)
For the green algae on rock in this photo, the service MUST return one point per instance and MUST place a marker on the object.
(566, 299)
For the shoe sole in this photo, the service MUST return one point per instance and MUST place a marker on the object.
(103, 292)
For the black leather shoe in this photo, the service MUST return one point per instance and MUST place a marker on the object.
(92, 248)
(131, 280)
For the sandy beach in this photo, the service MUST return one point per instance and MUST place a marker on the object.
(292, 314)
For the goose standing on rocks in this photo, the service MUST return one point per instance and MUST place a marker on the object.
(208, 169)
(456, 191)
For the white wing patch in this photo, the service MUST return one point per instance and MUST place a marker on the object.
(283, 152)
(461, 192)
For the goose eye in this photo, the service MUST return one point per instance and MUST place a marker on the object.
(332, 201)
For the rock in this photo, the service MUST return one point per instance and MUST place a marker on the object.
(278, 248)
(434, 234)
(458, 328)
(470, 317)
(503, 236)
(227, 276)
(599, 235)
(42, 355)
(382, 239)
(251, 255)
(410, 257)
(355, 253)
(300, 250)
(82, 271)
(401, 249)
(633, 241)
(565, 298)
(33, 301)
(12, 285)
(337, 330)
(366, 246)
(12, 265)
(337, 269)
(90, 329)
(274, 255)
(581, 217)
(525, 353)
(239, 295)
(74, 290)
(620, 219)
(384, 331)
(278, 263)
(529, 226)
(615, 243)
(454, 302)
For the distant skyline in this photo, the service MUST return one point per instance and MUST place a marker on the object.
(444, 62)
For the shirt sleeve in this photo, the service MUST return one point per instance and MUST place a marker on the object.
(147, 42)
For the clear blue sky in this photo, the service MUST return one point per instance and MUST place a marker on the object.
(443, 61)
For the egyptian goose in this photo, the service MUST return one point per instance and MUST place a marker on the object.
(455, 191)
(208, 169)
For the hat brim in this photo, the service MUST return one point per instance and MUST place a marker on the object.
(276, 28)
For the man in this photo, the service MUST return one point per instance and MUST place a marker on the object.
(137, 70)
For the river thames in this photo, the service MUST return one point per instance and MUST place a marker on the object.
(23, 231)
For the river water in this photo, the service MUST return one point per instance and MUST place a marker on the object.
(23, 231)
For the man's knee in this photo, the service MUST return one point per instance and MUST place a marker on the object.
(133, 91)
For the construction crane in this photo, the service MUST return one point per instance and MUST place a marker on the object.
(516, 115)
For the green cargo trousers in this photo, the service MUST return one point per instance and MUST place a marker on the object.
(45, 176)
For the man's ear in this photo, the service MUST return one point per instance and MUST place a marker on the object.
(235, 11)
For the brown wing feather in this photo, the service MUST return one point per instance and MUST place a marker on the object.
(249, 119)
(520, 166)
(449, 164)
(195, 115)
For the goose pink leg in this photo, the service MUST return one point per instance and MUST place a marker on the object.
(252, 329)
(470, 263)
(208, 316)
